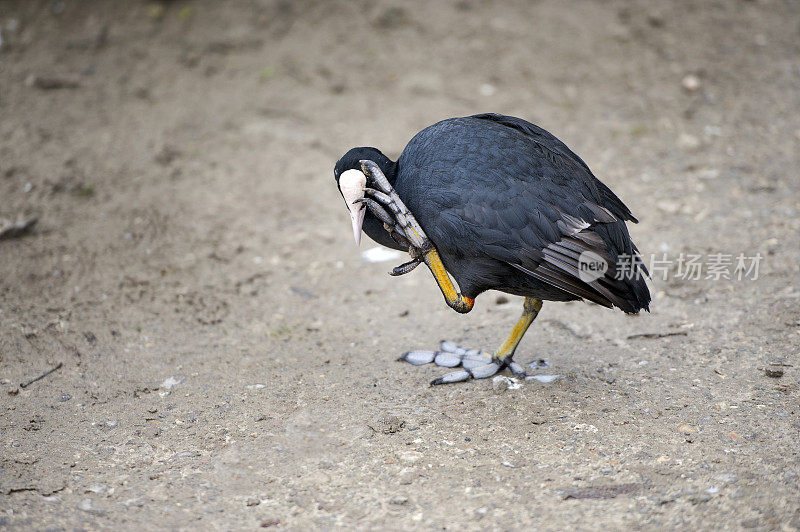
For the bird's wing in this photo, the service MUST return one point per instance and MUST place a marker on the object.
(539, 210)
(558, 152)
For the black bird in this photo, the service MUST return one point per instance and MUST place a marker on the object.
(501, 204)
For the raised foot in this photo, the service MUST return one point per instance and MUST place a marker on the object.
(475, 364)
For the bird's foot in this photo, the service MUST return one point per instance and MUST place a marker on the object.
(474, 364)
(398, 220)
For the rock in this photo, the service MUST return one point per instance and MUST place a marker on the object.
(399, 499)
(775, 368)
(422, 83)
(86, 506)
(501, 383)
(699, 498)
(387, 424)
(173, 381)
(411, 456)
(253, 501)
(688, 142)
(52, 82)
(776, 372)
(18, 228)
(487, 89)
(690, 83)
(167, 154)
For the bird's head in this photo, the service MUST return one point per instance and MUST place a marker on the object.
(352, 181)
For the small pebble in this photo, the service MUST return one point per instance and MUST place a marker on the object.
(253, 501)
(688, 142)
(399, 499)
(410, 456)
(690, 83)
(86, 506)
(700, 498)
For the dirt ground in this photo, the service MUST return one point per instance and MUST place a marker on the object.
(229, 356)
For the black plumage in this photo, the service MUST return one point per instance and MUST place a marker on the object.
(509, 207)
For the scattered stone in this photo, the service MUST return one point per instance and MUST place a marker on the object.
(753, 522)
(700, 498)
(253, 501)
(501, 383)
(603, 492)
(9, 229)
(544, 379)
(539, 364)
(666, 499)
(393, 17)
(167, 154)
(774, 372)
(411, 456)
(185, 454)
(110, 424)
(690, 83)
(399, 500)
(407, 478)
(270, 522)
(726, 478)
(487, 89)
(688, 142)
(481, 512)
(387, 424)
(172, 382)
(151, 431)
(256, 386)
(86, 506)
(64, 398)
(775, 368)
(422, 83)
(52, 82)
(137, 502)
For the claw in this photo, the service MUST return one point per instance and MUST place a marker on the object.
(376, 209)
(405, 267)
(418, 358)
(455, 376)
(516, 369)
(381, 197)
(385, 194)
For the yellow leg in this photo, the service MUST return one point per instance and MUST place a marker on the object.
(454, 299)
(530, 310)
